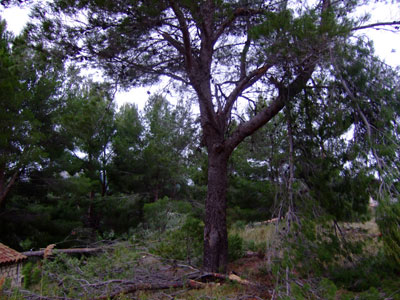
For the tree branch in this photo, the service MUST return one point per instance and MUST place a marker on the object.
(368, 26)
(185, 34)
(243, 84)
(285, 94)
(241, 11)
(174, 43)
(246, 129)
(243, 65)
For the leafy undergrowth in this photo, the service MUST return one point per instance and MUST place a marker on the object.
(270, 263)
(124, 271)
(319, 261)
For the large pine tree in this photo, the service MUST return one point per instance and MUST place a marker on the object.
(226, 52)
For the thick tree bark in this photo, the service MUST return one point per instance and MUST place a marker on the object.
(215, 232)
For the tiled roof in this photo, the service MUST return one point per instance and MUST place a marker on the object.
(8, 255)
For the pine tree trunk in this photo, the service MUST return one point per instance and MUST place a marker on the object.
(215, 232)
(103, 183)
(2, 186)
(5, 186)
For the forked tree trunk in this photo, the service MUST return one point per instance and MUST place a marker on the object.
(215, 232)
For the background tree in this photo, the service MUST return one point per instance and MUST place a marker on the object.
(88, 121)
(226, 52)
(166, 145)
(29, 102)
(30, 143)
(151, 149)
(9, 103)
(127, 144)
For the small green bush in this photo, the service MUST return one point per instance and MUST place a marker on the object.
(347, 296)
(184, 243)
(36, 275)
(32, 274)
(27, 273)
(371, 294)
(251, 245)
(328, 289)
(235, 247)
(239, 225)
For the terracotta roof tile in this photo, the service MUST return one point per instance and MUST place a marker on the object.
(8, 255)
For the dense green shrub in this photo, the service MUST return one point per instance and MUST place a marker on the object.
(312, 246)
(165, 214)
(119, 214)
(366, 273)
(175, 231)
(183, 243)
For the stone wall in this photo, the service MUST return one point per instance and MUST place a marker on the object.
(12, 271)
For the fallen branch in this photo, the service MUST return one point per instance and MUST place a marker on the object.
(153, 287)
(256, 224)
(68, 251)
(28, 295)
(190, 283)
(207, 277)
(185, 277)
(195, 283)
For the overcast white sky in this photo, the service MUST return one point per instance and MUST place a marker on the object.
(387, 43)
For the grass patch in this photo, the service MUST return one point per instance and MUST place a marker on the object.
(261, 238)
